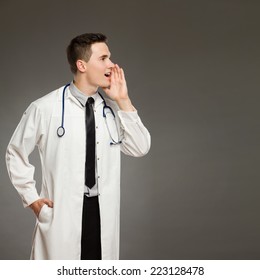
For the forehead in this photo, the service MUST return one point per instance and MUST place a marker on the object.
(100, 49)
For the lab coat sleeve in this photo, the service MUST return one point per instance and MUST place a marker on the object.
(136, 139)
(26, 136)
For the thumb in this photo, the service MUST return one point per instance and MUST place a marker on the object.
(48, 202)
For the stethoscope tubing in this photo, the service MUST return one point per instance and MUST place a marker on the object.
(61, 129)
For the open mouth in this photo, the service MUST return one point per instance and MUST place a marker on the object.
(108, 74)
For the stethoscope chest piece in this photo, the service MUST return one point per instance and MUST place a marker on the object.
(60, 131)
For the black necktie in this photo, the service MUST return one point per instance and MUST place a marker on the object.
(90, 176)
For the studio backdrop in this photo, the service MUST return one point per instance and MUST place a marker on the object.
(192, 69)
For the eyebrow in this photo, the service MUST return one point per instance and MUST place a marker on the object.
(105, 56)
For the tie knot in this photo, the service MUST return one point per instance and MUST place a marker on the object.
(90, 100)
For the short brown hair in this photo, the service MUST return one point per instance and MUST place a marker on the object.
(80, 48)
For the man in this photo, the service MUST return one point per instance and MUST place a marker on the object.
(79, 142)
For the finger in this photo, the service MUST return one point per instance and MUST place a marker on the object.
(113, 76)
(48, 202)
(116, 68)
(122, 73)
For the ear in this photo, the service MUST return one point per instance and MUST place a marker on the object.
(81, 65)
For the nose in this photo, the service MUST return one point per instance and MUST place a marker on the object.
(110, 64)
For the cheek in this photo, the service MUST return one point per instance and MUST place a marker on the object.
(96, 76)
(98, 70)
(95, 72)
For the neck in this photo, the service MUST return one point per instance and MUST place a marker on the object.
(84, 86)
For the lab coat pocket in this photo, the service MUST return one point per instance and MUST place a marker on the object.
(45, 214)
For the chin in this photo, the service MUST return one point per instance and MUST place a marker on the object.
(105, 85)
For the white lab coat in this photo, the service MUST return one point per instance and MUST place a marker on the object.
(57, 233)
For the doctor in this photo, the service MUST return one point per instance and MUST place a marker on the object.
(78, 206)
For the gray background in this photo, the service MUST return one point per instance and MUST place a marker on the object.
(193, 73)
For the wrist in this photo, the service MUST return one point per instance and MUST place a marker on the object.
(125, 105)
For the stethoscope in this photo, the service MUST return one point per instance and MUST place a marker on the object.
(61, 129)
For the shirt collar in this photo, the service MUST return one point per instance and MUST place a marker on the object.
(80, 96)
